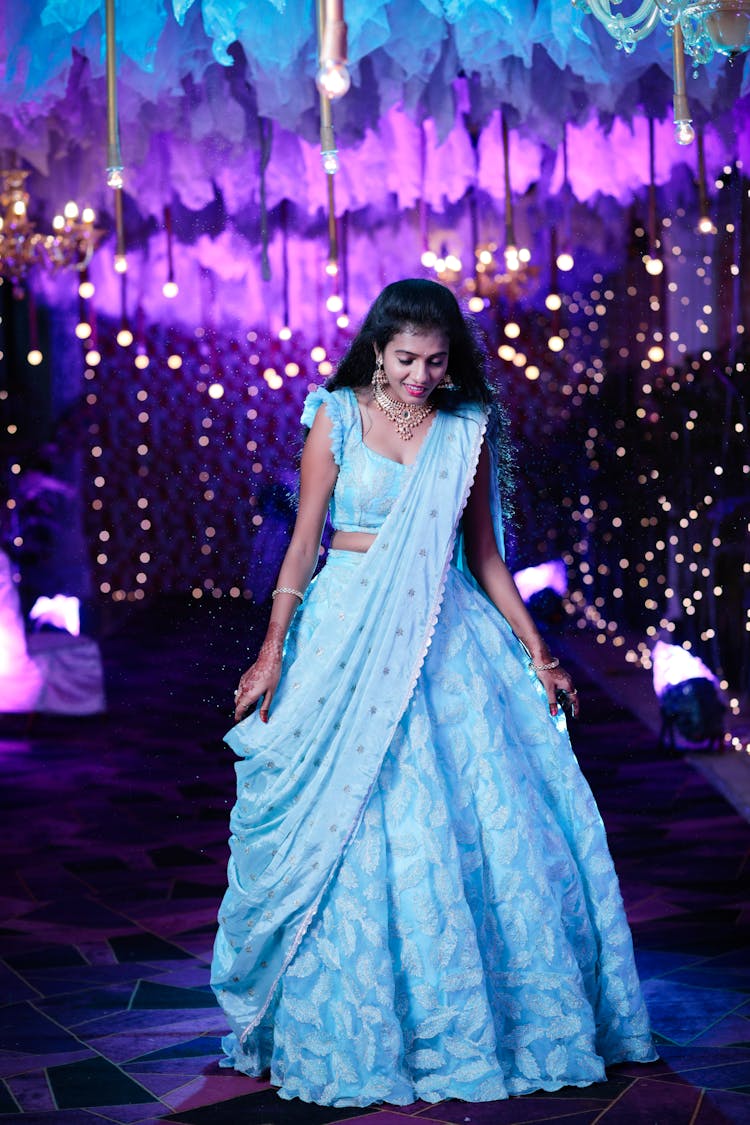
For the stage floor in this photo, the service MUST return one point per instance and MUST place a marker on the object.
(115, 833)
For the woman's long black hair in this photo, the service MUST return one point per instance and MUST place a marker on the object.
(427, 306)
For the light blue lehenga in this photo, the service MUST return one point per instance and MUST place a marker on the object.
(421, 900)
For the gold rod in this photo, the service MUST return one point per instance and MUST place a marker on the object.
(702, 192)
(327, 143)
(651, 187)
(333, 242)
(119, 225)
(679, 101)
(114, 157)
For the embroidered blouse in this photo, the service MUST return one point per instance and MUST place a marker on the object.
(368, 483)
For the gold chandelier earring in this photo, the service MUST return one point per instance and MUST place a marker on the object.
(379, 377)
(447, 384)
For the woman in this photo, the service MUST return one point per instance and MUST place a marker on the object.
(421, 902)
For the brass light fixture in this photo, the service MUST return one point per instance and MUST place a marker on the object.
(22, 248)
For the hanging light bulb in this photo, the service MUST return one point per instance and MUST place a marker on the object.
(330, 159)
(565, 261)
(654, 266)
(684, 133)
(333, 79)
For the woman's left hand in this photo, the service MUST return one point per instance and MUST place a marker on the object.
(558, 685)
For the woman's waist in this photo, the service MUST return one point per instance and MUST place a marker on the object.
(359, 541)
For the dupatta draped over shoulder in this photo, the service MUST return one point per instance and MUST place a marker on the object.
(305, 777)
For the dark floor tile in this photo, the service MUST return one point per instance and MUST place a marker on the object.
(729, 1076)
(264, 1108)
(80, 1007)
(650, 1100)
(185, 889)
(94, 1082)
(203, 1045)
(720, 1108)
(8, 1103)
(514, 1111)
(151, 994)
(694, 1055)
(681, 1012)
(79, 912)
(54, 1117)
(13, 988)
(145, 947)
(94, 864)
(50, 957)
(55, 982)
(709, 977)
(24, 1030)
(31, 1091)
(599, 1091)
(177, 855)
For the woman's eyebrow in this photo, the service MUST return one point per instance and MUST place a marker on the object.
(434, 355)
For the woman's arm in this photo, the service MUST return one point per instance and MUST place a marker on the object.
(318, 472)
(497, 582)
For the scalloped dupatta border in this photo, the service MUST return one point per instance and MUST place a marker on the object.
(305, 778)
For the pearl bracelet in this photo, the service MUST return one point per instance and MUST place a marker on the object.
(553, 663)
(287, 590)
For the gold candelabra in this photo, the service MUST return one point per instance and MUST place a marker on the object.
(22, 248)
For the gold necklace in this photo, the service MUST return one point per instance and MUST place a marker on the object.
(404, 417)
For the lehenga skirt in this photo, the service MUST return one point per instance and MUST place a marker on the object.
(473, 942)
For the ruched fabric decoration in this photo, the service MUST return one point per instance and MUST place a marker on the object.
(406, 54)
(421, 125)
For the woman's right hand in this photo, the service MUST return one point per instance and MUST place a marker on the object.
(262, 678)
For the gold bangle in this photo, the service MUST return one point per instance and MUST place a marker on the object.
(287, 590)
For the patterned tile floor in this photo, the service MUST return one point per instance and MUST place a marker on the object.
(115, 846)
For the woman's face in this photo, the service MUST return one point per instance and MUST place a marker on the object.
(414, 363)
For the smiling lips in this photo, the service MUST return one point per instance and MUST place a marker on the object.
(415, 392)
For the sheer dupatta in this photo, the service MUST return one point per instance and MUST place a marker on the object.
(304, 779)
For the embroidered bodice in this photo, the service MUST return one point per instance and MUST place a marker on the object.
(368, 483)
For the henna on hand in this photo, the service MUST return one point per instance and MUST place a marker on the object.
(262, 677)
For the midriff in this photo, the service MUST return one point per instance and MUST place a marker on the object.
(352, 541)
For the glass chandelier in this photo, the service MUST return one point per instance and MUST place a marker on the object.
(700, 28)
(22, 247)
